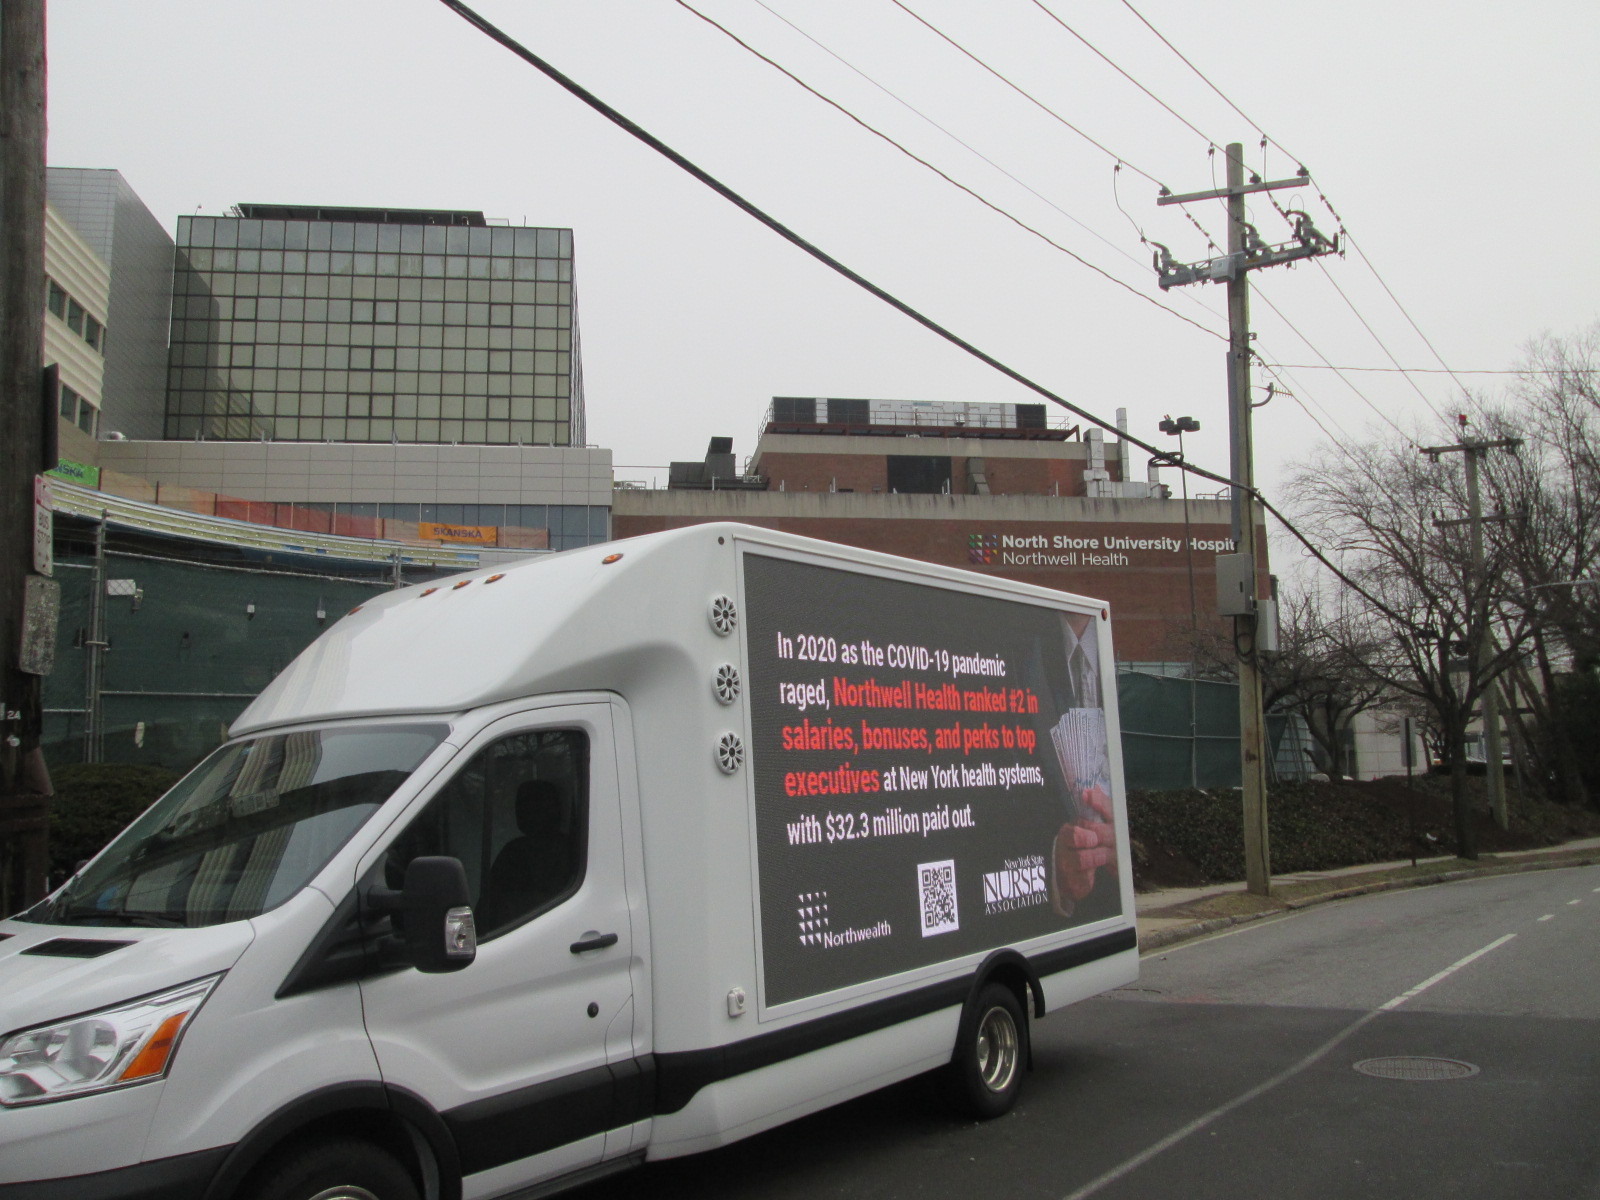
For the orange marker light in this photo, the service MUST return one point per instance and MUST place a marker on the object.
(492, 578)
(355, 610)
(461, 585)
(152, 1060)
(609, 559)
(429, 591)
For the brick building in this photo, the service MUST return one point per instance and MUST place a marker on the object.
(993, 488)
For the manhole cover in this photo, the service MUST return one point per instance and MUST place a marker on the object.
(1414, 1067)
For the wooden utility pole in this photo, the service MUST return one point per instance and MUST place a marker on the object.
(1252, 722)
(24, 783)
(1480, 634)
(1246, 252)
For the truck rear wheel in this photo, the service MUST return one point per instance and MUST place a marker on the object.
(985, 1073)
(334, 1169)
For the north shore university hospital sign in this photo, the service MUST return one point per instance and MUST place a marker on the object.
(1085, 548)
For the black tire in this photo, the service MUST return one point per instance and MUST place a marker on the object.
(333, 1169)
(985, 1073)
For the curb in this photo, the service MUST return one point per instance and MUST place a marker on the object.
(1166, 937)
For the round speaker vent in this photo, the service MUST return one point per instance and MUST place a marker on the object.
(726, 683)
(724, 615)
(730, 753)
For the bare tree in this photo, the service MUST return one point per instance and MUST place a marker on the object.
(1549, 500)
(1419, 620)
(1318, 671)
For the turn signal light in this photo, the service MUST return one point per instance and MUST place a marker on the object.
(152, 1060)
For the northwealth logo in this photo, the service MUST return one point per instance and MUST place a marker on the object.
(982, 547)
(813, 913)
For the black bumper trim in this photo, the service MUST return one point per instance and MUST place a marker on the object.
(184, 1177)
(681, 1074)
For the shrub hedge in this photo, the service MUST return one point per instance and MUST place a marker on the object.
(93, 802)
(1321, 826)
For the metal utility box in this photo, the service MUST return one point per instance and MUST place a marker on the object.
(1236, 584)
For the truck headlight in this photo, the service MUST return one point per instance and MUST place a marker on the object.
(115, 1047)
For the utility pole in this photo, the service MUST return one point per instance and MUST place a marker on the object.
(1246, 252)
(24, 783)
(1480, 635)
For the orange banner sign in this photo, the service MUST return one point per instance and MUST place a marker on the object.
(475, 535)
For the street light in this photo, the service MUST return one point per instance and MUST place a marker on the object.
(1180, 427)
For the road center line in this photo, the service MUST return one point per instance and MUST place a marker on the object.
(1445, 974)
(1222, 1110)
(1548, 917)
(1578, 901)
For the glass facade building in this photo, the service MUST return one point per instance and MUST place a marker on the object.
(296, 323)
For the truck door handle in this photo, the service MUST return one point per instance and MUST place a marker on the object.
(594, 941)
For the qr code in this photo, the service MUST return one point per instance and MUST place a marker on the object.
(937, 884)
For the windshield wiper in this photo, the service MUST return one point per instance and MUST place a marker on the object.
(91, 916)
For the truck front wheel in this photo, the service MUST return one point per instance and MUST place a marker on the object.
(334, 1169)
(985, 1073)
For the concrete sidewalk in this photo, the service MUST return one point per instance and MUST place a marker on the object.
(1170, 915)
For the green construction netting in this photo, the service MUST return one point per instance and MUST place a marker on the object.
(1163, 747)
(187, 653)
(189, 644)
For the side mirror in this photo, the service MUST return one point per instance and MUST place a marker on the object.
(438, 929)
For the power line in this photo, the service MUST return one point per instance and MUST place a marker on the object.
(1025, 94)
(1447, 371)
(1117, 166)
(1321, 195)
(749, 207)
(1210, 141)
(633, 129)
(1202, 76)
(1021, 224)
(1365, 324)
(1294, 394)
(1382, 283)
(971, 149)
(1362, 396)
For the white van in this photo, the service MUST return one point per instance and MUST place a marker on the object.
(537, 873)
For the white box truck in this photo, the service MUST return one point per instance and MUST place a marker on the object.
(532, 874)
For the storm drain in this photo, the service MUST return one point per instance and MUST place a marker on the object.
(1416, 1067)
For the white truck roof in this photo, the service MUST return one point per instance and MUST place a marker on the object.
(599, 618)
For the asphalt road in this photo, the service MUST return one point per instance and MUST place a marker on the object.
(1228, 1071)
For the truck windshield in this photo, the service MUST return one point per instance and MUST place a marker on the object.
(245, 830)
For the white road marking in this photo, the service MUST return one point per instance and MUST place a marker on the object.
(1445, 974)
(1578, 901)
(1216, 1114)
(1548, 917)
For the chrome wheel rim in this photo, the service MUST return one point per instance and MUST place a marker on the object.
(997, 1049)
(344, 1191)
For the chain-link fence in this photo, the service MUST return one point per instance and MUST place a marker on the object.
(156, 656)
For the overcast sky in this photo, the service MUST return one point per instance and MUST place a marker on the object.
(1459, 143)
